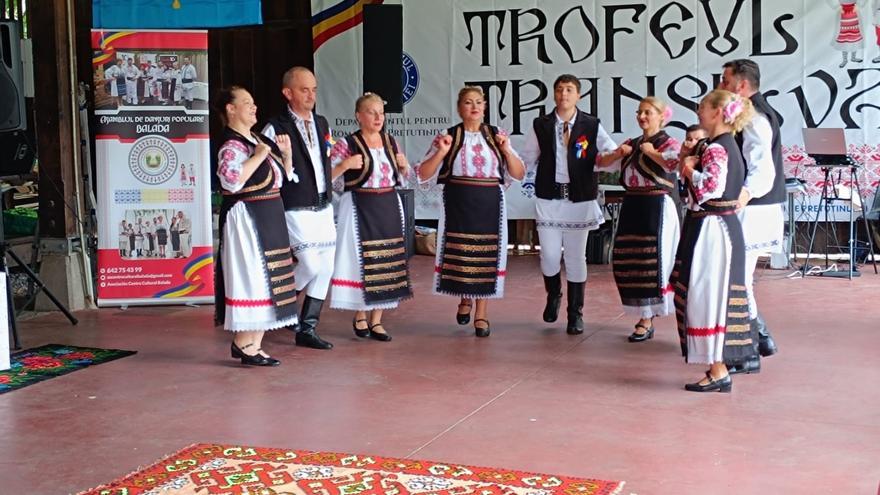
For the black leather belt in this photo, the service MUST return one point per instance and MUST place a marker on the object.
(186, 81)
(562, 190)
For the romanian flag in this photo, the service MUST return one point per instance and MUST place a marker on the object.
(333, 17)
(172, 14)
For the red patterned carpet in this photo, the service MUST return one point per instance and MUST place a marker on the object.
(233, 470)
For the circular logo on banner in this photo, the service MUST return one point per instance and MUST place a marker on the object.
(152, 159)
(410, 78)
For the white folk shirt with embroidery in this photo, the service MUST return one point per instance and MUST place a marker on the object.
(382, 174)
(532, 151)
(232, 156)
(757, 151)
(475, 158)
(314, 148)
(711, 182)
(669, 150)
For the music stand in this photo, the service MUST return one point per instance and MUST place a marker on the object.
(4, 251)
(827, 147)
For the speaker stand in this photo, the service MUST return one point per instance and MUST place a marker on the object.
(4, 251)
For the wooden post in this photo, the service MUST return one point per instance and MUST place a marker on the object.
(62, 269)
(53, 90)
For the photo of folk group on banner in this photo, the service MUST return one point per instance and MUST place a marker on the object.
(149, 234)
(152, 155)
(151, 78)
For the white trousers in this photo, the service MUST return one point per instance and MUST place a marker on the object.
(568, 245)
(313, 241)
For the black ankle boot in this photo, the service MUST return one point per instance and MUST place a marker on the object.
(308, 321)
(766, 344)
(575, 308)
(553, 286)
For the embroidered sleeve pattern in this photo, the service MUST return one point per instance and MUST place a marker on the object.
(232, 156)
(431, 152)
(710, 183)
(669, 150)
(339, 152)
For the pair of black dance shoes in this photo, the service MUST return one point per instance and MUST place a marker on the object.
(368, 332)
(724, 385)
(465, 318)
(255, 360)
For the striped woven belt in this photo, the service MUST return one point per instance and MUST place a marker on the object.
(646, 191)
(474, 181)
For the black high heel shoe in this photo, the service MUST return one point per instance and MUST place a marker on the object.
(380, 336)
(641, 337)
(721, 385)
(360, 332)
(482, 331)
(463, 318)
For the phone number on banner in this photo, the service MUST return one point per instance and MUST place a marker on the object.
(130, 269)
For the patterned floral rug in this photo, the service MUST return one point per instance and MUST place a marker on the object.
(232, 470)
(48, 361)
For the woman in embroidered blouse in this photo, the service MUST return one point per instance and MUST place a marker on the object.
(709, 273)
(648, 229)
(474, 161)
(370, 272)
(250, 172)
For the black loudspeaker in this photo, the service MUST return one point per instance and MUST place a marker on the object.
(16, 153)
(383, 54)
(12, 114)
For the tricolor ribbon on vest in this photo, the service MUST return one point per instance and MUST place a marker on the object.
(328, 140)
(580, 147)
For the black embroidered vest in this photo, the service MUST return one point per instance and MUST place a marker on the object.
(653, 172)
(735, 176)
(583, 178)
(356, 178)
(304, 194)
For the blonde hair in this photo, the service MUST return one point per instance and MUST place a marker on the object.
(366, 98)
(463, 92)
(736, 111)
(662, 108)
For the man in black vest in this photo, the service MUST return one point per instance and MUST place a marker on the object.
(309, 213)
(563, 148)
(763, 194)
